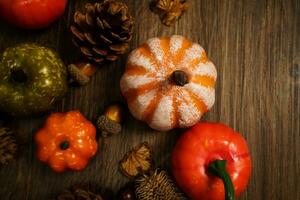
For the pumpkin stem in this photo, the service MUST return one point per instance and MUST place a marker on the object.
(218, 168)
(18, 75)
(180, 77)
(64, 145)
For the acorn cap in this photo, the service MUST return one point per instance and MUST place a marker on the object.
(107, 126)
(110, 122)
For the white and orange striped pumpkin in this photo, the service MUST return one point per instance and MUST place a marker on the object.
(169, 82)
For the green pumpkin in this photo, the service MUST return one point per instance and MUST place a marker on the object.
(32, 78)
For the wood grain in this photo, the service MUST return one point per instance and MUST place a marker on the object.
(255, 45)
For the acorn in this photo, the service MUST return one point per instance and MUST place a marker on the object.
(127, 192)
(110, 122)
(81, 72)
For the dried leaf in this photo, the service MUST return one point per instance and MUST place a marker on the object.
(77, 75)
(138, 161)
(169, 10)
(76, 194)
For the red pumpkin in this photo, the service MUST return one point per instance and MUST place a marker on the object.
(207, 154)
(31, 14)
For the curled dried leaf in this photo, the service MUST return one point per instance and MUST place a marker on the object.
(137, 162)
(81, 72)
(169, 10)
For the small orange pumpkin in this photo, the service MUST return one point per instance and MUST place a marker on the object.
(67, 141)
(169, 82)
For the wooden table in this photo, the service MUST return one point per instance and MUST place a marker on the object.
(255, 45)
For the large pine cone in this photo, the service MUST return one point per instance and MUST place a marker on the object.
(104, 31)
(77, 194)
(8, 146)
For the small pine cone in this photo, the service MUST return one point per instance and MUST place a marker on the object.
(78, 194)
(157, 186)
(8, 146)
(103, 31)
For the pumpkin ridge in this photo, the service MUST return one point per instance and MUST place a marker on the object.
(203, 59)
(140, 104)
(185, 108)
(167, 56)
(149, 111)
(204, 80)
(133, 70)
(176, 42)
(192, 57)
(134, 82)
(175, 111)
(162, 115)
(155, 48)
(200, 105)
(180, 53)
(206, 94)
(183, 101)
(131, 94)
(207, 69)
(159, 48)
(145, 52)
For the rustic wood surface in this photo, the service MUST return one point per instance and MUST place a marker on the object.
(255, 45)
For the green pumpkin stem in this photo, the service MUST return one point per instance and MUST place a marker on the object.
(218, 168)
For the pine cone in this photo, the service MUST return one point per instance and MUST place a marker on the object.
(8, 146)
(104, 31)
(157, 186)
(77, 194)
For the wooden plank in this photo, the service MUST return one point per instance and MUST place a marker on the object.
(255, 45)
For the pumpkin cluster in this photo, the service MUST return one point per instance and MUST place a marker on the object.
(169, 82)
